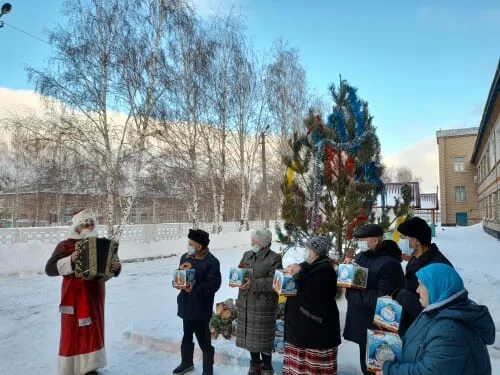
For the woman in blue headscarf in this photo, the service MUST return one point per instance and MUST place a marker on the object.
(450, 336)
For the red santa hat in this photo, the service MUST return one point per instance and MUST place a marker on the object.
(83, 217)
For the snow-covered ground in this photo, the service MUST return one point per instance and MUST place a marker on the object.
(142, 330)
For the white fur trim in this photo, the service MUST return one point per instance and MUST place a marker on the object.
(73, 235)
(84, 322)
(81, 216)
(82, 363)
(64, 266)
(67, 310)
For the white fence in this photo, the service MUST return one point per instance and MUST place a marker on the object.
(138, 233)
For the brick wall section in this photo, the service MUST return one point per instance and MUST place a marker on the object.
(457, 143)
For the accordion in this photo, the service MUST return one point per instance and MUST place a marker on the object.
(96, 256)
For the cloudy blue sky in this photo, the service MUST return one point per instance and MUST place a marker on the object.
(422, 65)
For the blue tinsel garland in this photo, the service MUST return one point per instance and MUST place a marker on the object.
(355, 103)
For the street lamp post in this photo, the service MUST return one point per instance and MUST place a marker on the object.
(6, 8)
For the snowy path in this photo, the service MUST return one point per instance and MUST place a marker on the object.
(143, 332)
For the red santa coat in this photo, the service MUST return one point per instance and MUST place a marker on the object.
(81, 346)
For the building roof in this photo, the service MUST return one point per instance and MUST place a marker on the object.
(488, 109)
(393, 191)
(429, 201)
(456, 132)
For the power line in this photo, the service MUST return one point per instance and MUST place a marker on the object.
(27, 33)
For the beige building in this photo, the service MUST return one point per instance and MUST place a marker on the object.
(486, 160)
(458, 195)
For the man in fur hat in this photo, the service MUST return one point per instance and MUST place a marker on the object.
(195, 302)
(81, 349)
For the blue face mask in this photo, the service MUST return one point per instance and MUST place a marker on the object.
(404, 245)
(362, 245)
(191, 250)
(255, 249)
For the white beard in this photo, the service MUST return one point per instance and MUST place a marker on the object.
(85, 233)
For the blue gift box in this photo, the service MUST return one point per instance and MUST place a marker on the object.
(352, 276)
(388, 314)
(279, 345)
(284, 284)
(381, 347)
(184, 277)
(280, 328)
(238, 276)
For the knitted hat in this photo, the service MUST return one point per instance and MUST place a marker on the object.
(262, 236)
(417, 228)
(200, 236)
(320, 245)
(441, 281)
(369, 230)
(83, 217)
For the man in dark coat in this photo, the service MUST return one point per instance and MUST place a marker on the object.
(424, 253)
(195, 302)
(385, 275)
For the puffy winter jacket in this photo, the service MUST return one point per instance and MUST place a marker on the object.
(448, 338)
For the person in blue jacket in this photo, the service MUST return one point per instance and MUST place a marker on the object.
(450, 335)
(195, 302)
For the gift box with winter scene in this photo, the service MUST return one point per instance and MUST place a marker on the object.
(183, 278)
(352, 276)
(284, 284)
(388, 314)
(238, 276)
(280, 328)
(279, 345)
(381, 347)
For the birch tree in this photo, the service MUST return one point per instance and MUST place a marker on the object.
(110, 72)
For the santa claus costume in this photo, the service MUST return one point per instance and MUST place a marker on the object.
(81, 349)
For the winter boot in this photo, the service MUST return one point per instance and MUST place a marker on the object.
(186, 360)
(208, 361)
(267, 371)
(255, 368)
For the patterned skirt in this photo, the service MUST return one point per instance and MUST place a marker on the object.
(299, 361)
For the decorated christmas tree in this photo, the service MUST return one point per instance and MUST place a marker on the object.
(333, 171)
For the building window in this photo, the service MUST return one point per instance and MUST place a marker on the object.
(458, 164)
(460, 194)
(491, 150)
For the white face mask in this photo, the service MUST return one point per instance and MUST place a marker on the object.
(191, 250)
(306, 255)
(404, 245)
(255, 249)
(363, 245)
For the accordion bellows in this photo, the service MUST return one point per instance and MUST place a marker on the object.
(96, 256)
